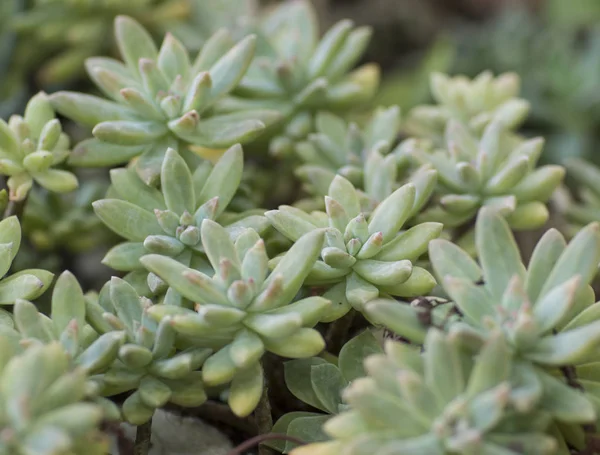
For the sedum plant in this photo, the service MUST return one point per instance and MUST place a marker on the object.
(243, 310)
(251, 315)
(441, 402)
(66, 32)
(42, 407)
(298, 74)
(583, 205)
(320, 384)
(546, 312)
(363, 256)
(53, 221)
(25, 284)
(148, 362)
(30, 147)
(339, 147)
(90, 351)
(159, 99)
(494, 171)
(168, 221)
(474, 103)
(364, 156)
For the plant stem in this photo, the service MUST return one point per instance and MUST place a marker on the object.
(142, 438)
(15, 208)
(264, 419)
(242, 448)
(338, 332)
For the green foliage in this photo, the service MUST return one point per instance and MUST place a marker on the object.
(30, 146)
(216, 287)
(147, 360)
(474, 103)
(25, 284)
(69, 31)
(496, 171)
(41, 403)
(365, 157)
(244, 310)
(363, 257)
(583, 205)
(298, 74)
(53, 221)
(555, 52)
(160, 99)
(168, 222)
(545, 313)
(441, 402)
(320, 383)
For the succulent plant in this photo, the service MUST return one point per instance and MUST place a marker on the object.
(473, 103)
(546, 312)
(168, 221)
(243, 310)
(298, 75)
(42, 407)
(61, 34)
(458, 403)
(148, 362)
(339, 147)
(67, 222)
(66, 324)
(495, 171)
(364, 157)
(26, 284)
(363, 257)
(583, 205)
(160, 99)
(30, 146)
(558, 64)
(320, 383)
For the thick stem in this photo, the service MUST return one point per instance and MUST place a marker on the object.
(15, 208)
(338, 332)
(264, 419)
(142, 439)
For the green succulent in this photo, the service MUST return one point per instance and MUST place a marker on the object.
(168, 221)
(61, 34)
(52, 221)
(339, 147)
(583, 205)
(496, 171)
(320, 384)
(42, 407)
(25, 284)
(159, 99)
(299, 75)
(558, 63)
(66, 324)
(243, 310)
(364, 157)
(546, 312)
(30, 146)
(474, 103)
(363, 257)
(148, 362)
(445, 401)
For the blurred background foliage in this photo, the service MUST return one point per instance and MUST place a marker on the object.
(554, 45)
